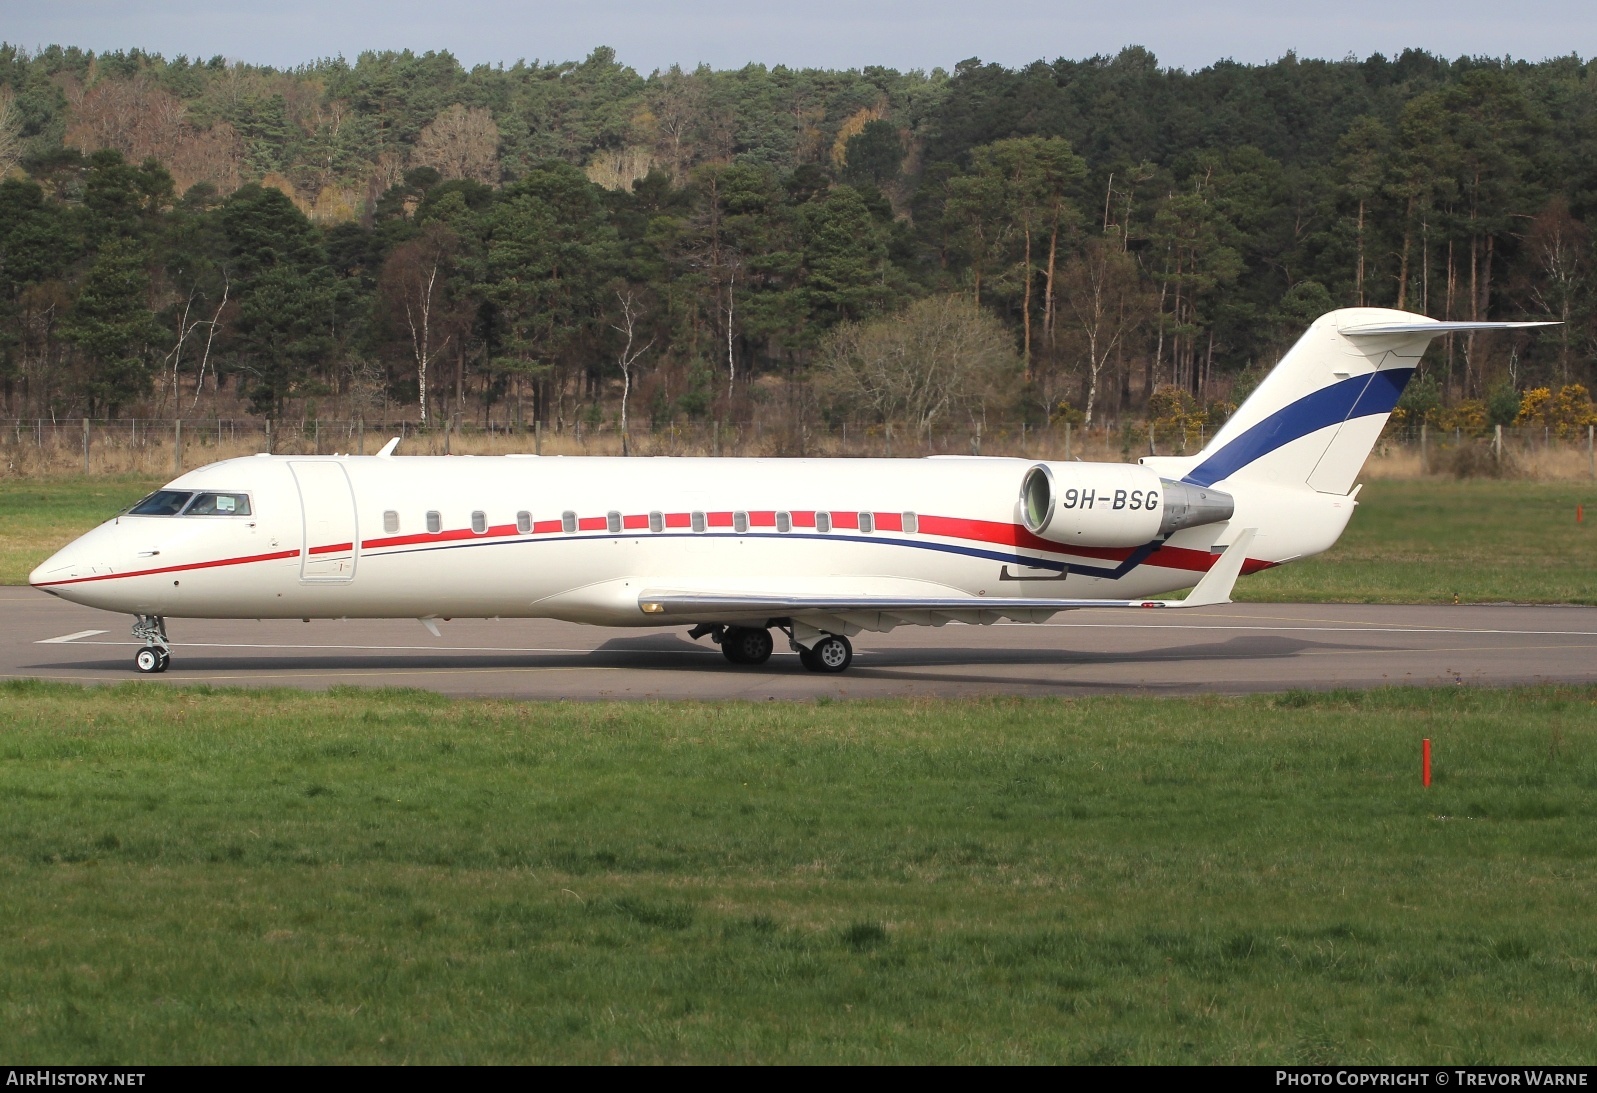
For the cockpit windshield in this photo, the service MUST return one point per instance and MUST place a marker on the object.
(162, 503)
(188, 503)
(219, 504)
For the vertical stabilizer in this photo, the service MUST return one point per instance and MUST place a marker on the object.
(1315, 417)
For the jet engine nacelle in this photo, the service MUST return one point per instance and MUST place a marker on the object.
(1113, 504)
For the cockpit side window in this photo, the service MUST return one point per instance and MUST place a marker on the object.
(161, 503)
(219, 504)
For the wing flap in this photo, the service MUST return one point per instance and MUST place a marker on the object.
(884, 612)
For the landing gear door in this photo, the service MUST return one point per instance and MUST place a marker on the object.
(331, 543)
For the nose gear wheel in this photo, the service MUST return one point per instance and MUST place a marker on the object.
(156, 656)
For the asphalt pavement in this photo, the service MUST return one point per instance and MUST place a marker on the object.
(1234, 649)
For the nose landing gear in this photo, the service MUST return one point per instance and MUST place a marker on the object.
(156, 656)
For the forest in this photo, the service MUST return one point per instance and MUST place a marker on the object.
(402, 238)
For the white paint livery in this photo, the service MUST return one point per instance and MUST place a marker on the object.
(820, 549)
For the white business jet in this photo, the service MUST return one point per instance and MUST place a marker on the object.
(818, 549)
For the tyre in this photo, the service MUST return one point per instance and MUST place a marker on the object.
(166, 661)
(148, 661)
(746, 645)
(833, 653)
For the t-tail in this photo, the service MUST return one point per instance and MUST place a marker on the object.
(1286, 461)
(1315, 418)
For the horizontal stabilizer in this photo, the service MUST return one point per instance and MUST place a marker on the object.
(1430, 327)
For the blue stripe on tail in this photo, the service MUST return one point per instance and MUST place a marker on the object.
(1356, 396)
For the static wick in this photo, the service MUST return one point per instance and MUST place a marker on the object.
(1425, 762)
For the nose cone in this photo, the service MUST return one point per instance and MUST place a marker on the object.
(93, 555)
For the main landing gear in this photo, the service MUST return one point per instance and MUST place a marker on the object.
(156, 656)
(832, 653)
(746, 645)
(752, 645)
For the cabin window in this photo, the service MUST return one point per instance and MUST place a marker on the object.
(656, 521)
(161, 503)
(911, 522)
(867, 522)
(524, 522)
(740, 522)
(612, 521)
(784, 521)
(435, 523)
(219, 504)
(568, 521)
(823, 521)
(391, 522)
(698, 521)
(479, 522)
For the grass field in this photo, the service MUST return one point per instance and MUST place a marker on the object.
(1411, 541)
(225, 876)
(43, 515)
(1428, 540)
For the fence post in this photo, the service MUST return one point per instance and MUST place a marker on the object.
(85, 445)
(537, 438)
(1424, 460)
(1067, 441)
(1591, 454)
(268, 436)
(1497, 442)
(316, 433)
(360, 437)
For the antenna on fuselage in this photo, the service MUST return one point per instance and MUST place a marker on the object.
(388, 449)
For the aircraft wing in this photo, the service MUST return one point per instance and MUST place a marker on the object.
(884, 612)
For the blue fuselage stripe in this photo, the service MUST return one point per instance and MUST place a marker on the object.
(1136, 558)
(1358, 396)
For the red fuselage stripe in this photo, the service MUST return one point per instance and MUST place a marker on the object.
(948, 527)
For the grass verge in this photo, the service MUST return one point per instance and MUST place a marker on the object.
(226, 876)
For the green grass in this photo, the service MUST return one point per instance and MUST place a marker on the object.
(230, 876)
(40, 516)
(1409, 541)
(1429, 541)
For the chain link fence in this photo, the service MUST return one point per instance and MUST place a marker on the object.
(42, 446)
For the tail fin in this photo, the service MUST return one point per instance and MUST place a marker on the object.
(1315, 417)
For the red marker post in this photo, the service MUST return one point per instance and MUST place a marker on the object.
(1425, 762)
